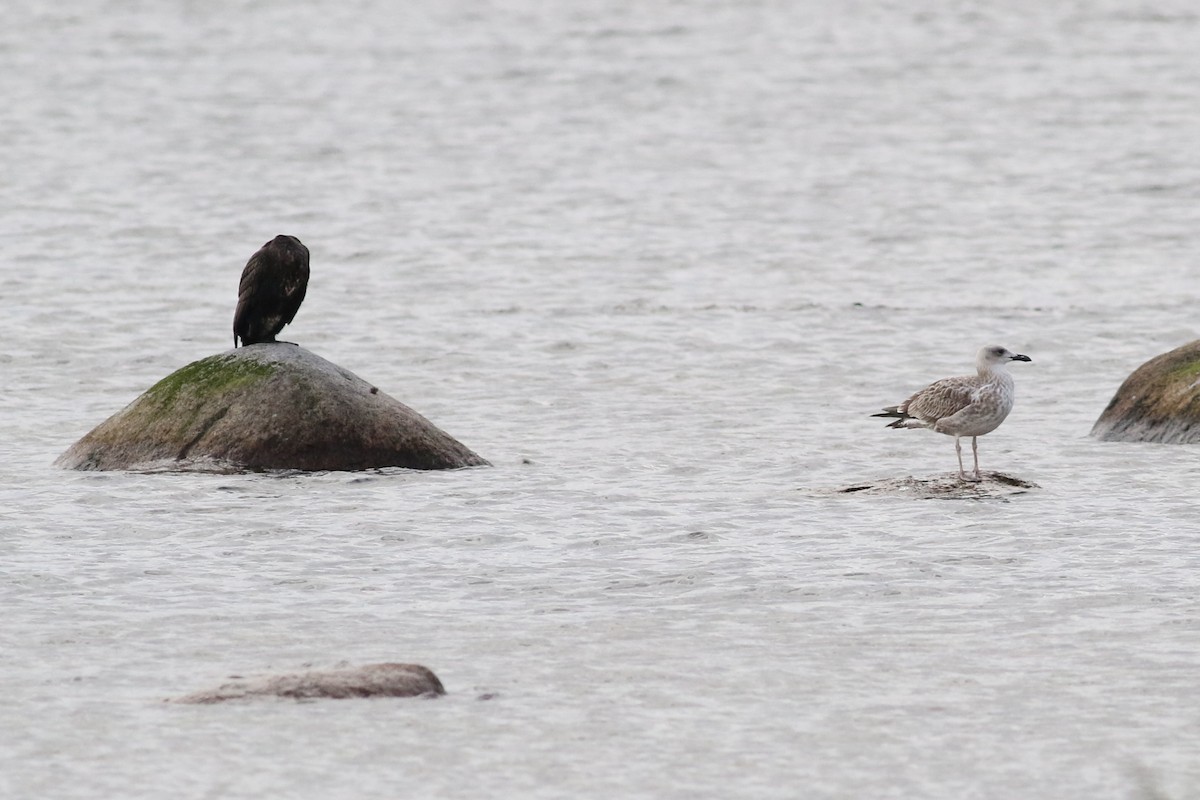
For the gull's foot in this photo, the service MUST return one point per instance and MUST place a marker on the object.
(962, 476)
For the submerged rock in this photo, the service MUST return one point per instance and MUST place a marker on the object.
(370, 680)
(945, 487)
(266, 406)
(1159, 402)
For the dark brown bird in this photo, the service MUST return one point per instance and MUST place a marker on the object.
(271, 290)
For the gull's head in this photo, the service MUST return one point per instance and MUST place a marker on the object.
(994, 354)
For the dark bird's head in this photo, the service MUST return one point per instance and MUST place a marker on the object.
(287, 244)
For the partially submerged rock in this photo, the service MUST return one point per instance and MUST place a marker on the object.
(945, 487)
(1159, 402)
(370, 680)
(267, 406)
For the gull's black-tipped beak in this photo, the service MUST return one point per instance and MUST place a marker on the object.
(1021, 358)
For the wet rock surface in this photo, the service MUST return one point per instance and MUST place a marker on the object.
(944, 487)
(263, 407)
(370, 680)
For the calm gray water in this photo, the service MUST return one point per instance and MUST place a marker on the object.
(658, 262)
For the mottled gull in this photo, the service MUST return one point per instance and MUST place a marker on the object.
(969, 405)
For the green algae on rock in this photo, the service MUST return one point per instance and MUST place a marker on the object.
(1159, 402)
(266, 406)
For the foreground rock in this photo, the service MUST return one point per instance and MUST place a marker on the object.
(1159, 402)
(267, 406)
(370, 680)
(945, 487)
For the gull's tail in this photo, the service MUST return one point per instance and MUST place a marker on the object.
(900, 419)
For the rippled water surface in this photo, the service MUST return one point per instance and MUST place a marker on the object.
(657, 262)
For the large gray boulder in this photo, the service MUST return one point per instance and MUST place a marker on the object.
(370, 680)
(266, 406)
(1159, 402)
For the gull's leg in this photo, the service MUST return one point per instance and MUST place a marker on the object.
(958, 450)
(975, 452)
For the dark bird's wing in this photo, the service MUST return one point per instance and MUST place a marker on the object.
(255, 290)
